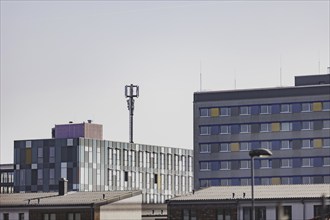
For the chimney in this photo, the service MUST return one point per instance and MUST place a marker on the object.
(63, 187)
(89, 121)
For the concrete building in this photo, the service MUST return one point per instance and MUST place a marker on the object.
(301, 201)
(293, 122)
(92, 164)
(109, 205)
(6, 178)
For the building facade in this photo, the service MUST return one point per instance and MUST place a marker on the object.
(291, 202)
(6, 178)
(101, 165)
(293, 122)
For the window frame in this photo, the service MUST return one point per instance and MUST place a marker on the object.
(288, 163)
(204, 148)
(224, 144)
(245, 110)
(309, 127)
(285, 108)
(309, 109)
(204, 115)
(267, 108)
(245, 128)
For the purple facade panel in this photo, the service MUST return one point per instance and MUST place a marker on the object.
(69, 131)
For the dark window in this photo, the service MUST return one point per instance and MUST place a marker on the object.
(318, 210)
(5, 216)
(260, 213)
(227, 213)
(189, 214)
(126, 176)
(21, 216)
(284, 212)
(155, 178)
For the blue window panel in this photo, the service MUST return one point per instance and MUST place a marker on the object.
(296, 162)
(255, 110)
(255, 145)
(257, 181)
(215, 182)
(318, 162)
(215, 165)
(235, 129)
(214, 130)
(296, 107)
(235, 182)
(276, 145)
(297, 180)
(257, 164)
(276, 109)
(296, 126)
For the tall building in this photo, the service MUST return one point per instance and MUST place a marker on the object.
(293, 122)
(93, 164)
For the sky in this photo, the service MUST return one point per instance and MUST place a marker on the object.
(67, 61)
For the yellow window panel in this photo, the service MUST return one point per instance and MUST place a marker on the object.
(317, 143)
(317, 106)
(276, 126)
(214, 112)
(276, 181)
(28, 156)
(234, 147)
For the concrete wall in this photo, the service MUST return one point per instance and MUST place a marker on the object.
(130, 208)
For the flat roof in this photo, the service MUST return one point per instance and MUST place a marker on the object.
(296, 191)
(69, 199)
(259, 93)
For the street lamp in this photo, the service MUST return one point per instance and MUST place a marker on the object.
(261, 152)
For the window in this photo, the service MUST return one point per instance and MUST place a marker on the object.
(21, 216)
(286, 126)
(266, 145)
(307, 180)
(224, 147)
(245, 164)
(286, 180)
(205, 183)
(245, 110)
(225, 111)
(286, 108)
(225, 129)
(204, 112)
(326, 142)
(265, 181)
(306, 107)
(265, 163)
(224, 165)
(326, 161)
(326, 106)
(286, 211)
(286, 163)
(307, 162)
(48, 216)
(245, 146)
(74, 216)
(205, 148)
(5, 216)
(224, 182)
(307, 143)
(205, 130)
(265, 127)
(260, 213)
(204, 166)
(226, 213)
(245, 181)
(307, 125)
(265, 109)
(326, 124)
(286, 145)
(245, 128)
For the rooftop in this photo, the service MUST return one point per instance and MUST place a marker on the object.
(260, 192)
(69, 199)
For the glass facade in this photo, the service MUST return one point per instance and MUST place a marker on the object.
(99, 165)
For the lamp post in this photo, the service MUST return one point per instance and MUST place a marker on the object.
(261, 152)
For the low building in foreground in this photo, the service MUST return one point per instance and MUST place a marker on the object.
(72, 206)
(234, 202)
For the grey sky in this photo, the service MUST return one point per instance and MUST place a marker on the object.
(69, 61)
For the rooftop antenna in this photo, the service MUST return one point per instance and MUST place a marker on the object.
(200, 76)
(131, 92)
